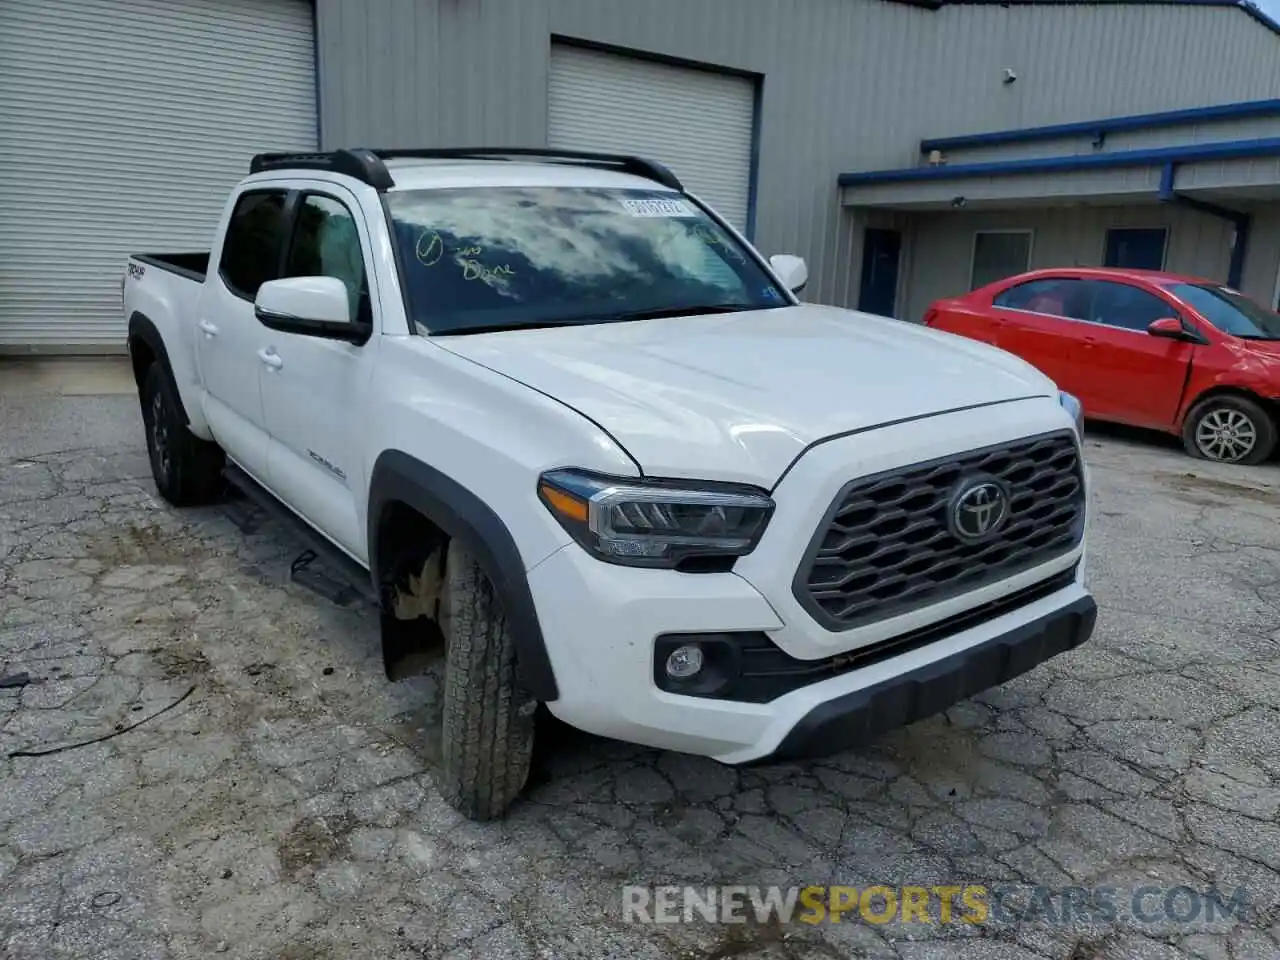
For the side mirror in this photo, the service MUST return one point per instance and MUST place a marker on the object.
(309, 306)
(791, 270)
(1168, 327)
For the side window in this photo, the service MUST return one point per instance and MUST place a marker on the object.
(255, 234)
(1121, 305)
(1038, 296)
(998, 254)
(1062, 297)
(326, 243)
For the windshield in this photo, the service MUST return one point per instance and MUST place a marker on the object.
(1230, 312)
(475, 259)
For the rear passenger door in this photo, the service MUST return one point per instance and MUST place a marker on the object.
(1041, 322)
(227, 335)
(1133, 377)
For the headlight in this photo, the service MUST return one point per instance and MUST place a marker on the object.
(653, 523)
(1073, 407)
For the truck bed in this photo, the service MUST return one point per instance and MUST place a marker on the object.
(193, 266)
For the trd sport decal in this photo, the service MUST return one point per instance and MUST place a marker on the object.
(337, 472)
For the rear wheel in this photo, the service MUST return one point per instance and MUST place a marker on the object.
(187, 470)
(488, 723)
(1229, 429)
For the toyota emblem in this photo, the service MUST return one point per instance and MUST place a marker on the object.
(978, 510)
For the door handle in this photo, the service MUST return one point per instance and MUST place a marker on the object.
(270, 358)
(209, 329)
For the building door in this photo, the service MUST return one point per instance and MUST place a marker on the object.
(699, 123)
(881, 251)
(1135, 249)
(124, 124)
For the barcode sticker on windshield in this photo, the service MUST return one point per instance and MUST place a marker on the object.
(657, 207)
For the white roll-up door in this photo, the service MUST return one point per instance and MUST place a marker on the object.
(123, 124)
(697, 122)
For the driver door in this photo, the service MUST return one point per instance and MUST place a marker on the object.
(314, 390)
(1133, 377)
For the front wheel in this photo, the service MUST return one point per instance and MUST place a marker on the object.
(488, 723)
(1229, 429)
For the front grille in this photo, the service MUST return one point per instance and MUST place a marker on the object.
(885, 546)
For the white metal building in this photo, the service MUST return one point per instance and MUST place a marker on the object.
(908, 150)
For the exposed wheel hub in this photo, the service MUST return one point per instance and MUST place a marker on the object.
(160, 435)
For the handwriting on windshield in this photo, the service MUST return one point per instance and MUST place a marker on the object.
(475, 270)
(430, 251)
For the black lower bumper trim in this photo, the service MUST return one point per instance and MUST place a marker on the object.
(862, 715)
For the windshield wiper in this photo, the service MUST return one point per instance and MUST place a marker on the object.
(693, 310)
(587, 320)
(503, 327)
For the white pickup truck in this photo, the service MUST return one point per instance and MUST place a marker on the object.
(563, 421)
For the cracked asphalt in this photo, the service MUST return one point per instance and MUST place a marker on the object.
(285, 809)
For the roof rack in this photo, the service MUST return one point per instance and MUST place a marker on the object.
(369, 167)
(362, 164)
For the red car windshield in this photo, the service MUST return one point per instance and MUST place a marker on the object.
(1231, 312)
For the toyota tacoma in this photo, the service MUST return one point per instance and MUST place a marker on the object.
(562, 422)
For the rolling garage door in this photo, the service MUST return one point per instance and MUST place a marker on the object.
(697, 122)
(123, 123)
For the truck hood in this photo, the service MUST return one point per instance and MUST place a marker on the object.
(740, 396)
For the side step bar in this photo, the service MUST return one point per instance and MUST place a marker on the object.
(353, 575)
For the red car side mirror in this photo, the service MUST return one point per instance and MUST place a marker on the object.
(1169, 327)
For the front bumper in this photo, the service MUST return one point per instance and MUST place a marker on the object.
(602, 621)
(857, 717)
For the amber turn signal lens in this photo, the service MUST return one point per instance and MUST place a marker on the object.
(568, 507)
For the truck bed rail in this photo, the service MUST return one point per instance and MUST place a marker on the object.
(193, 266)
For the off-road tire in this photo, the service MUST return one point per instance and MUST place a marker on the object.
(1263, 425)
(187, 470)
(488, 723)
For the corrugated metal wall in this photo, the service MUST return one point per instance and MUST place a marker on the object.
(1080, 61)
(1261, 278)
(848, 84)
(1076, 236)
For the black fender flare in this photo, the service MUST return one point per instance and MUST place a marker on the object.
(142, 329)
(464, 516)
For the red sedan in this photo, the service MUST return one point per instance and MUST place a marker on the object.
(1188, 356)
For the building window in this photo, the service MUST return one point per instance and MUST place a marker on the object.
(998, 254)
(1135, 249)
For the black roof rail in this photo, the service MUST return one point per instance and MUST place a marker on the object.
(367, 165)
(364, 165)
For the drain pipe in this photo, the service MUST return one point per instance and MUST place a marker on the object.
(1238, 219)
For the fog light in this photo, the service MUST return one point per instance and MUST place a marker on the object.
(684, 662)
